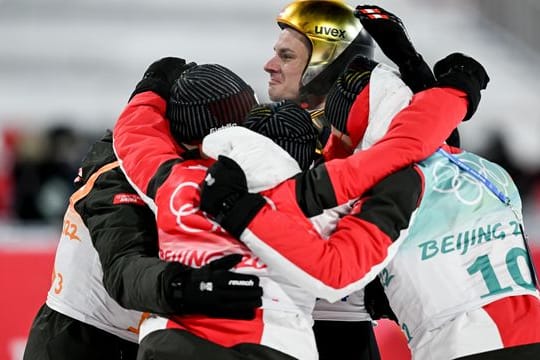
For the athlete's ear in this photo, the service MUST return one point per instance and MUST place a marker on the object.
(338, 146)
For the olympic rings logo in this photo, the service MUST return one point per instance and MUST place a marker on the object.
(449, 179)
(184, 194)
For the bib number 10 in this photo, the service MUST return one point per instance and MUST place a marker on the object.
(483, 265)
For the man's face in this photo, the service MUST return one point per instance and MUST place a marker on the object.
(286, 66)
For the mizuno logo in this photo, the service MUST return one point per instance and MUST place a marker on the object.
(325, 30)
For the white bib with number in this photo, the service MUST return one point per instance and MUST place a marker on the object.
(464, 248)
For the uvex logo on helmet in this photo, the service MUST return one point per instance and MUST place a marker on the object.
(330, 31)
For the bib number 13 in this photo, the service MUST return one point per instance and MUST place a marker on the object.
(482, 264)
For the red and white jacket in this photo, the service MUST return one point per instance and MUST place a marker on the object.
(397, 134)
(445, 223)
(170, 185)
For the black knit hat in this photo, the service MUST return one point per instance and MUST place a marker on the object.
(205, 97)
(344, 91)
(289, 126)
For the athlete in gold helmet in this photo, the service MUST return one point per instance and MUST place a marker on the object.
(318, 39)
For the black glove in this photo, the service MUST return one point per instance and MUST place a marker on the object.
(464, 73)
(376, 302)
(225, 197)
(389, 33)
(212, 290)
(160, 76)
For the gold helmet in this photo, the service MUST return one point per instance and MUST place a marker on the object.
(336, 37)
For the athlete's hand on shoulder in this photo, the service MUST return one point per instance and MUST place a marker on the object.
(161, 75)
(462, 72)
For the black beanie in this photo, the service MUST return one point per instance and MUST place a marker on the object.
(344, 91)
(289, 126)
(206, 97)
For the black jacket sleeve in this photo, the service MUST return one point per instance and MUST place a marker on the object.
(125, 237)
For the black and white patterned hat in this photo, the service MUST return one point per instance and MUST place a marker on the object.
(345, 90)
(207, 97)
(289, 126)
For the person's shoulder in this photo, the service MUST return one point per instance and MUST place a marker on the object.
(98, 155)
